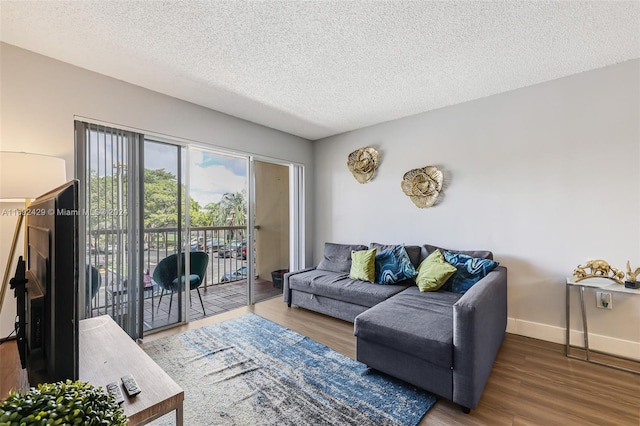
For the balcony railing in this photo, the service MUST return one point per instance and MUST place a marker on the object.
(226, 246)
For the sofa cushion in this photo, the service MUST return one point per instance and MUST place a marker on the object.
(340, 287)
(394, 266)
(469, 271)
(433, 272)
(419, 324)
(363, 265)
(427, 249)
(412, 251)
(337, 257)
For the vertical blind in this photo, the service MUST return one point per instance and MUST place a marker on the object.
(110, 193)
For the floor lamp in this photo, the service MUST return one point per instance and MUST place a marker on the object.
(23, 177)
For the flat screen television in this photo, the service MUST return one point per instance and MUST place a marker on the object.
(50, 344)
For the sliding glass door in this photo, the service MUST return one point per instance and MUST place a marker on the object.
(218, 229)
(134, 227)
(164, 229)
(178, 232)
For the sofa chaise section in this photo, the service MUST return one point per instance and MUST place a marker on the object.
(443, 342)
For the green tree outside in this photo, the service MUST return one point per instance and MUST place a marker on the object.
(160, 209)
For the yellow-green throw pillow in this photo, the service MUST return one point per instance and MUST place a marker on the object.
(363, 265)
(433, 272)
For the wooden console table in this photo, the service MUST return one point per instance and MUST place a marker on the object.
(107, 353)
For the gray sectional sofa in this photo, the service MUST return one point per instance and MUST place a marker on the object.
(441, 341)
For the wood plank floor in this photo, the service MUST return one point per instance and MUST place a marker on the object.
(12, 377)
(532, 382)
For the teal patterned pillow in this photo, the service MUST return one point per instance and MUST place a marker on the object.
(393, 266)
(470, 270)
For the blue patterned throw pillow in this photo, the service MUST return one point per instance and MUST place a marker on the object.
(393, 266)
(470, 270)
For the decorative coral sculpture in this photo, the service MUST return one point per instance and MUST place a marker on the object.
(422, 185)
(363, 163)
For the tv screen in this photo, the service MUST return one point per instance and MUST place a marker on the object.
(52, 287)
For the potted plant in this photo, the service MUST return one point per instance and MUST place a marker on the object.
(61, 403)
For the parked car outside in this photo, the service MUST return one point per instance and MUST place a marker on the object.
(225, 251)
(145, 247)
(193, 245)
(240, 251)
(239, 274)
(230, 250)
(210, 245)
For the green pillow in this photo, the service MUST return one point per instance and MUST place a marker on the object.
(363, 265)
(433, 272)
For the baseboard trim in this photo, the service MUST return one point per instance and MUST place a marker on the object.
(550, 333)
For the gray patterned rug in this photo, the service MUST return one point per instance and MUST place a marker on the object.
(251, 371)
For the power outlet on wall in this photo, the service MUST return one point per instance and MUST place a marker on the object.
(604, 300)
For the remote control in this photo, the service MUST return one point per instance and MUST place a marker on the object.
(114, 389)
(130, 385)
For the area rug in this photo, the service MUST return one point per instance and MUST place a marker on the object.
(251, 371)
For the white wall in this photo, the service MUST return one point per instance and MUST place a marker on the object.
(546, 177)
(39, 98)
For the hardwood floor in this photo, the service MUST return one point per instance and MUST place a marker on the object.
(532, 382)
(12, 377)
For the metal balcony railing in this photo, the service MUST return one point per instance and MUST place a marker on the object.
(106, 251)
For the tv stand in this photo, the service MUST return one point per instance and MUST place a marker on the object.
(107, 353)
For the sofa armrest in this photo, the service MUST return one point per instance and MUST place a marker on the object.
(479, 325)
(286, 292)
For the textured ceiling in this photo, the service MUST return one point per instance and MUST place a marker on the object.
(319, 68)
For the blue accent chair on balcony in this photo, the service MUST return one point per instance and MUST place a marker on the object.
(167, 277)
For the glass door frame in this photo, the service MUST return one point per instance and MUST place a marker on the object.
(251, 230)
(296, 217)
(182, 156)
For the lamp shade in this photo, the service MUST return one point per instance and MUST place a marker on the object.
(26, 176)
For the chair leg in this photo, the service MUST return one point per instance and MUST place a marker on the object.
(160, 300)
(202, 304)
(170, 302)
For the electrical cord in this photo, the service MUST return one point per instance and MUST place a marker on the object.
(15, 330)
